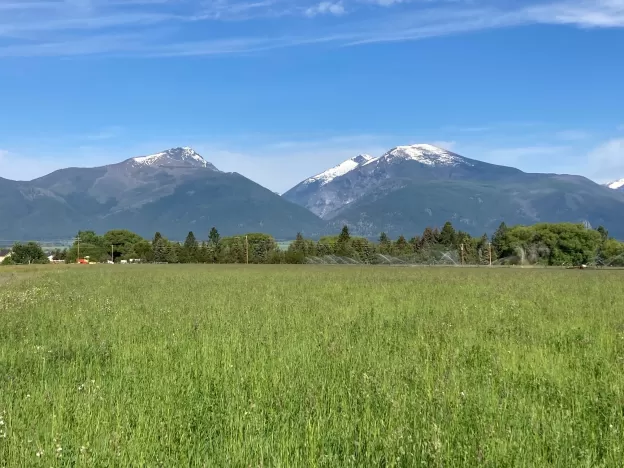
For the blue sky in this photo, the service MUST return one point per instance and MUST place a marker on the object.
(279, 90)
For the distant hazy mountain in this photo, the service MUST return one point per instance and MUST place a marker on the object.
(173, 191)
(412, 187)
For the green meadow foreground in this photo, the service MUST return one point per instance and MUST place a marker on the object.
(310, 366)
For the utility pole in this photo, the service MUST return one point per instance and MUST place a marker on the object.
(247, 250)
(462, 254)
(490, 249)
(112, 253)
(78, 240)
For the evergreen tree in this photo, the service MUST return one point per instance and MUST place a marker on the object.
(157, 237)
(298, 245)
(191, 242)
(500, 241)
(483, 249)
(190, 249)
(385, 244)
(428, 238)
(415, 242)
(203, 253)
(294, 254)
(214, 236)
(173, 252)
(448, 235)
(344, 236)
(367, 254)
(160, 250)
(323, 249)
(401, 246)
(436, 236)
(465, 241)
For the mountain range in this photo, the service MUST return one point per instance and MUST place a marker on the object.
(401, 192)
(173, 191)
(412, 187)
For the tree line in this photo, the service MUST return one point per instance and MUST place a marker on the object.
(542, 244)
(546, 244)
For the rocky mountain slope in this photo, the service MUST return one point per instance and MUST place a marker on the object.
(319, 195)
(173, 191)
(412, 187)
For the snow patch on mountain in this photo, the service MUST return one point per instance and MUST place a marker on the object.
(185, 155)
(618, 184)
(422, 153)
(339, 170)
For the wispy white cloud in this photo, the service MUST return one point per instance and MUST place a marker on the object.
(606, 161)
(326, 8)
(80, 27)
(385, 2)
(584, 13)
(295, 157)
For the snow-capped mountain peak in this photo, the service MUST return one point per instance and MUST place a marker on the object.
(340, 170)
(174, 157)
(617, 185)
(423, 153)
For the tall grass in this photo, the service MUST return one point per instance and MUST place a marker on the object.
(311, 366)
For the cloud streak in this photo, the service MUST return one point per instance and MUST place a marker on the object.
(606, 162)
(297, 156)
(326, 8)
(158, 27)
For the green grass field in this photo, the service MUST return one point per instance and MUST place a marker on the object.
(180, 366)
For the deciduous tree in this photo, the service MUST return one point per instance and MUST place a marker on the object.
(28, 253)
